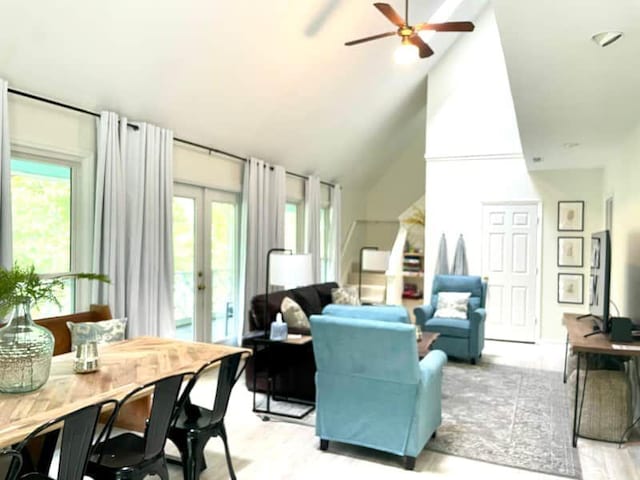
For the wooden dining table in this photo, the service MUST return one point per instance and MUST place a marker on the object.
(123, 366)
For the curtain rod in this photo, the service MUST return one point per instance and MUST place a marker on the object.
(135, 127)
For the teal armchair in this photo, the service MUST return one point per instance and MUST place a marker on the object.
(460, 338)
(371, 390)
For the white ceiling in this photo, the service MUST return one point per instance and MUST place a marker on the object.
(253, 77)
(566, 89)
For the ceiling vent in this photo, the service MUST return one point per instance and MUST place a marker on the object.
(604, 39)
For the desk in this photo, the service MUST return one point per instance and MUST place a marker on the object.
(267, 346)
(123, 366)
(583, 346)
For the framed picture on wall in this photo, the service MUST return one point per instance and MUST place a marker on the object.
(571, 288)
(570, 251)
(571, 216)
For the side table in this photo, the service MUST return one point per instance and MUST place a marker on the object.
(266, 346)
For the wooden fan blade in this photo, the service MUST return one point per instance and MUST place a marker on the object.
(425, 50)
(368, 39)
(446, 27)
(388, 11)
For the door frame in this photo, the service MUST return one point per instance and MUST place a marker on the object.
(537, 332)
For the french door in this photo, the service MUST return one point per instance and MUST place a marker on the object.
(206, 263)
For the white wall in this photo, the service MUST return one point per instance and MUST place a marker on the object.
(458, 211)
(470, 110)
(197, 167)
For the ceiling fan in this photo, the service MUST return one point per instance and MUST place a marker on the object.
(412, 45)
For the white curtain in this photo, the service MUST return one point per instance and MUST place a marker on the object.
(133, 224)
(335, 236)
(460, 265)
(312, 225)
(149, 231)
(263, 205)
(110, 210)
(6, 252)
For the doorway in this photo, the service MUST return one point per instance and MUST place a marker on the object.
(206, 263)
(510, 262)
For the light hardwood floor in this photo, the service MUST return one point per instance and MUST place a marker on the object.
(285, 450)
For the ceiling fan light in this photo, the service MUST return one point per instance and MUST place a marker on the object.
(406, 53)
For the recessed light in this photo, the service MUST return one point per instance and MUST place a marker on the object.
(570, 145)
(604, 39)
(537, 159)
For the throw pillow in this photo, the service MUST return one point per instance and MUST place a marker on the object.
(106, 331)
(452, 305)
(345, 296)
(293, 315)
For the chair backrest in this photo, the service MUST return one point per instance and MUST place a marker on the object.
(78, 428)
(372, 349)
(227, 377)
(165, 395)
(460, 283)
(10, 464)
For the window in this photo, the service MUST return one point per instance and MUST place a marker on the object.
(42, 223)
(291, 226)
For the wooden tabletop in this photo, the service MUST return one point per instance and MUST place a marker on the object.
(123, 366)
(599, 343)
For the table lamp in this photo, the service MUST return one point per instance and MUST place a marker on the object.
(287, 270)
(372, 260)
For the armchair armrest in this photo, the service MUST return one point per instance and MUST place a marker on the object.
(423, 313)
(478, 315)
(432, 364)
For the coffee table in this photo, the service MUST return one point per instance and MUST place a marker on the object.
(425, 343)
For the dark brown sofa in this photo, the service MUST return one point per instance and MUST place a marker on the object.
(294, 366)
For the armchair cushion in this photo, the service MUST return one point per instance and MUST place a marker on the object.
(451, 327)
(452, 304)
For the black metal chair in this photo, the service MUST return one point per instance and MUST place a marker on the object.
(78, 429)
(10, 463)
(131, 456)
(194, 425)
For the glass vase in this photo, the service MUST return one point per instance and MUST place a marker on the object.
(26, 350)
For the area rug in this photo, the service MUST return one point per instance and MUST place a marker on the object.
(507, 415)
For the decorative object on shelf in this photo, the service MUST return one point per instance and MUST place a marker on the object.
(570, 251)
(595, 252)
(593, 289)
(571, 216)
(278, 329)
(571, 288)
(26, 348)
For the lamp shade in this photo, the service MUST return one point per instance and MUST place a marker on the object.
(375, 260)
(290, 271)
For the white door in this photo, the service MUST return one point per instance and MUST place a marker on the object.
(206, 260)
(510, 260)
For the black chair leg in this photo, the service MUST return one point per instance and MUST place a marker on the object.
(409, 463)
(324, 444)
(223, 435)
(193, 461)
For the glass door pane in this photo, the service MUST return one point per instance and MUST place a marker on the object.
(184, 261)
(224, 268)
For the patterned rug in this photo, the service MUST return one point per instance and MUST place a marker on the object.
(509, 416)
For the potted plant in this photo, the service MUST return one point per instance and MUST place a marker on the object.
(26, 349)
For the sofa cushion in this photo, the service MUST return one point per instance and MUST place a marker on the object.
(106, 331)
(388, 313)
(345, 296)
(293, 315)
(308, 299)
(258, 305)
(451, 327)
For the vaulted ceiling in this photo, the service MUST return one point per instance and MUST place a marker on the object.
(574, 100)
(264, 78)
